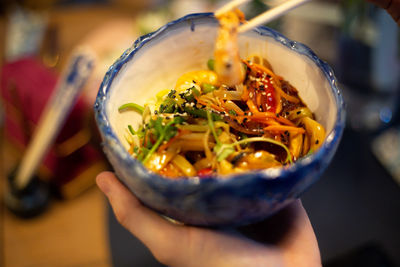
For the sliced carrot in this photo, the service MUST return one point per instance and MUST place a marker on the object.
(289, 98)
(283, 128)
(267, 71)
(131, 147)
(259, 117)
(268, 121)
(217, 108)
(238, 111)
(252, 107)
(245, 94)
(277, 84)
(258, 100)
(278, 102)
(285, 121)
(264, 115)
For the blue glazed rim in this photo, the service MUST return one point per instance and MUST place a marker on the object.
(154, 180)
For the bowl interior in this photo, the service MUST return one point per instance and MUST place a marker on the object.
(187, 45)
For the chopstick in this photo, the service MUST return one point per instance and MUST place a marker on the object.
(266, 17)
(54, 114)
(271, 14)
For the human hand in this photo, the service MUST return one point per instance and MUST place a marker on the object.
(290, 238)
(391, 6)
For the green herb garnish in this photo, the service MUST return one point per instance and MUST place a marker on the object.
(210, 64)
(208, 88)
(133, 106)
(169, 105)
(162, 133)
(219, 149)
(190, 94)
(232, 112)
(201, 113)
(130, 128)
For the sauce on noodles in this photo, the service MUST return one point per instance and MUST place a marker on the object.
(235, 116)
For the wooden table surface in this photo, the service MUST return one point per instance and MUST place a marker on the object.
(71, 232)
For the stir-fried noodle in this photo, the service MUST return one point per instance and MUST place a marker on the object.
(207, 126)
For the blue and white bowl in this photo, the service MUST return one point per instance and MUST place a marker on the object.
(154, 62)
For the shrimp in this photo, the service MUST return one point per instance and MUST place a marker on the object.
(228, 64)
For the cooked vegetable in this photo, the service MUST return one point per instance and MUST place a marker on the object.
(234, 117)
(133, 106)
(201, 128)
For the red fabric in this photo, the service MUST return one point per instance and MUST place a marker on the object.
(26, 85)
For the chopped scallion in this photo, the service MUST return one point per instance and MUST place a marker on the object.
(208, 88)
(210, 64)
(134, 106)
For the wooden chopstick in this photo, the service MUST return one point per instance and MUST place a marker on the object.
(265, 17)
(271, 14)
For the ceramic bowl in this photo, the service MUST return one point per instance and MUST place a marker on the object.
(154, 62)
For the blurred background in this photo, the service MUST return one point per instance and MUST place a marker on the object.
(354, 208)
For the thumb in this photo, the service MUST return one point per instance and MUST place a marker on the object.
(153, 230)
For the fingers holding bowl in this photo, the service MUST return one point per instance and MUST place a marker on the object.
(153, 230)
